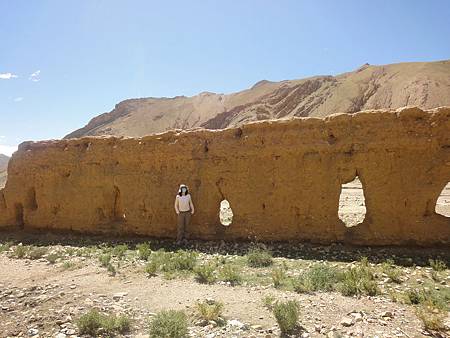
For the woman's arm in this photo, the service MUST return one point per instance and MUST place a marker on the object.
(191, 204)
(177, 210)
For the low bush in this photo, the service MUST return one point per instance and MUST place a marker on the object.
(91, 322)
(119, 250)
(392, 272)
(143, 251)
(258, 257)
(53, 257)
(279, 277)
(68, 265)
(173, 261)
(437, 264)
(438, 299)
(205, 273)
(105, 260)
(268, 301)
(20, 251)
(432, 319)
(286, 315)
(209, 310)
(169, 323)
(36, 252)
(5, 246)
(231, 274)
(358, 280)
(320, 277)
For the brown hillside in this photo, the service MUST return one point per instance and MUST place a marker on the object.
(422, 84)
(3, 166)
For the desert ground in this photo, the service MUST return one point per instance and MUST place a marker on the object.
(51, 280)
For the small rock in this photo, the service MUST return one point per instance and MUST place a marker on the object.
(33, 332)
(347, 321)
(387, 314)
(119, 295)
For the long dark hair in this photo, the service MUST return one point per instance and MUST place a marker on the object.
(181, 193)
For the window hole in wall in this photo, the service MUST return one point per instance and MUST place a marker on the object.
(352, 206)
(225, 213)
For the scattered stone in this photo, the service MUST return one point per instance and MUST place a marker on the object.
(33, 332)
(119, 295)
(387, 314)
(347, 321)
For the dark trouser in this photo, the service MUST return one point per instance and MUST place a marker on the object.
(184, 217)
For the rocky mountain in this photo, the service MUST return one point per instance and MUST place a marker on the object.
(422, 84)
(3, 166)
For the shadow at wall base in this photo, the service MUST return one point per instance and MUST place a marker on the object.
(351, 238)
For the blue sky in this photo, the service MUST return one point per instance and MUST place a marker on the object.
(64, 62)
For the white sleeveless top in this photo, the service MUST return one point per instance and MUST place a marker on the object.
(183, 202)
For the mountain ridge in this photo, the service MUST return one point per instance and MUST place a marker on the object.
(423, 84)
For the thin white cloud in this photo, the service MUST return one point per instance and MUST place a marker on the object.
(8, 76)
(7, 150)
(18, 99)
(35, 77)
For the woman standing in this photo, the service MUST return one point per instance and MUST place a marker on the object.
(184, 209)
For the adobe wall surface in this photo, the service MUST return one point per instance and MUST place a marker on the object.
(282, 178)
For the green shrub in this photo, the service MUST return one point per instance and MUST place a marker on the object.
(268, 301)
(437, 264)
(435, 276)
(392, 272)
(111, 269)
(143, 251)
(231, 274)
(432, 319)
(286, 315)
(85, 252)
(6, 246)
(69, 251)
(91, 322)
(258, 257)
(358, 280)
(279, 277)
(173, 261)
(209, 310)
(119, 250)
(105, 260)
(439, 299)
(205, 273)
(20, 251)
(169, 324)
(151, 268)
(36, 252)
(68, 265)
(53, 257)
(320, 277)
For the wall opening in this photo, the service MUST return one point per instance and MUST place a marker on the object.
(225, 213)
(352, 205)
(443, 202)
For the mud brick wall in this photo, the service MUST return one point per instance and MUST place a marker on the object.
(282, 178)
